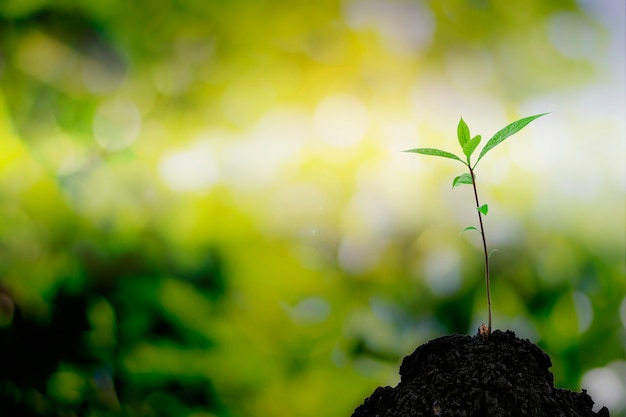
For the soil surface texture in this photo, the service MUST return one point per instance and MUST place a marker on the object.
(469, 376)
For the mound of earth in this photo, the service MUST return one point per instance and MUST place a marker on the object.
(459, 375)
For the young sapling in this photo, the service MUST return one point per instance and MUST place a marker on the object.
(468, 145)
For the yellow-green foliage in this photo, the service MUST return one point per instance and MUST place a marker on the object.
(204, 210)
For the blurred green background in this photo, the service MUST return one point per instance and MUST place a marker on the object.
(205, 210)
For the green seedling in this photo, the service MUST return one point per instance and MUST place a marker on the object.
(469, 145)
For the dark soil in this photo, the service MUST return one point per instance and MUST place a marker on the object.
(470, 376)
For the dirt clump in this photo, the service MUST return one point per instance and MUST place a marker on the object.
(460, 375)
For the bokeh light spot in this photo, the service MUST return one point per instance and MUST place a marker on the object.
(605, 387)
(405, 27)
(43, 57)
(311, 310)
(192, 169)
(359, 255)
(100, 78)
(275, 140)
(341, 120)
(441, 271)
(469, 71)
(171, 79)
(116, 124)
(572, 35)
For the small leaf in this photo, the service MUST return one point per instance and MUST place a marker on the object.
(491, 253)
(470, 146)
(463, 133)
(470, 228)
(505, 132)
(462, 179)
(435, 152)
(484, 209)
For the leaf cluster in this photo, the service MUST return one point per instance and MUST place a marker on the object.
(469, 144)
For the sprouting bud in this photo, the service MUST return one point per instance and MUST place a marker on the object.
(483, 330)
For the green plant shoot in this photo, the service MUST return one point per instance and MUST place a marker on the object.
(468, 145)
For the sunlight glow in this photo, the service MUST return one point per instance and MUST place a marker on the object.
(193, 169)
(255, 158)
(341, 120)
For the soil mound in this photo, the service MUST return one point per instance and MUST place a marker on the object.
(468, 376)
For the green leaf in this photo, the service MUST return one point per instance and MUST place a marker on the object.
(470, 228)
(491, 253)
(506, 132)
(470, 146)
(484, 209)
(463, 133)
(462, 179)
(435, 152)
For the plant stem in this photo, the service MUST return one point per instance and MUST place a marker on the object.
(482, 233)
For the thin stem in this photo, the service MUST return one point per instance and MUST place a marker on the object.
(482, 233)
